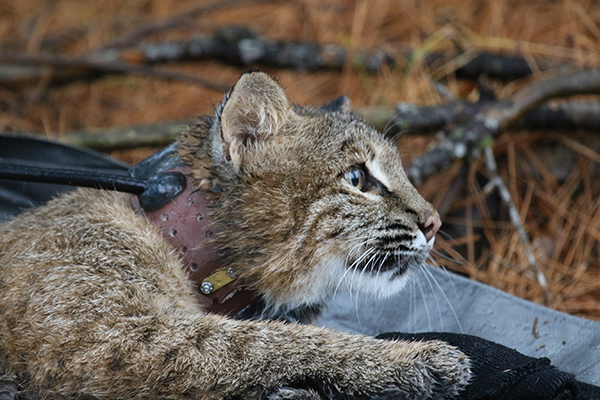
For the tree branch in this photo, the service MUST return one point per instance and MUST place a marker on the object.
(77, 67)
(175, 21)
(568, 115)
(408, 119)
(240, 46)
(134, 136)
(467, 138)
(577, 83)
(495, 66)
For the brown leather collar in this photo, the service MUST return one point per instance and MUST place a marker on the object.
(185, 223)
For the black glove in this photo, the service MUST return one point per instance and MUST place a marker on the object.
(500, 373)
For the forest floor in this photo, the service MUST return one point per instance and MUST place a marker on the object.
(553, 177)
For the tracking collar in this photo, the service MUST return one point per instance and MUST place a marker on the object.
(183, 214)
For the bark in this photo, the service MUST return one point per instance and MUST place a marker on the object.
(175, 21)
(406, 119)
(66, 69)
(412, 120)
(154, 135)
(239, 46)
(468, 138)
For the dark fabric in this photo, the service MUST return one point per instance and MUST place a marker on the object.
(500, 373)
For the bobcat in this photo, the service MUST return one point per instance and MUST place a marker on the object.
(95, 302)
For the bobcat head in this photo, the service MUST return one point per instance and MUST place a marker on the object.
(307, 200)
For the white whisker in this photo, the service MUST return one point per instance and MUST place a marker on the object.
(424, 269)
(437, 302)
(425, 304)
(382, 262)
(348, 268)
(371, 259)
(412, 318)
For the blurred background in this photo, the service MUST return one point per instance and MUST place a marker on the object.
(70, 68)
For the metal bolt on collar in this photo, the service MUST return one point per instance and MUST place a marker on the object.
(206, 287)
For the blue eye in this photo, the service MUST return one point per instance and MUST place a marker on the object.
(356, 177)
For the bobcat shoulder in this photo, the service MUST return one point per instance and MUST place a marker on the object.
(94, 301)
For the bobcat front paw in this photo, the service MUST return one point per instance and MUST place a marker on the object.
(441, 369)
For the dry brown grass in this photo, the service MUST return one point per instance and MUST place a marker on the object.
(561, 217)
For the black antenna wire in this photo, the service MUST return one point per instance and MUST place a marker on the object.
(98, 180)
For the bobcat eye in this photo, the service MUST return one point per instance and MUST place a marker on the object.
(356, 177)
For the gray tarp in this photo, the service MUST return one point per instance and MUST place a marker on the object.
(437, 300)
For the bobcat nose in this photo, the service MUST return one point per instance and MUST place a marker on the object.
(431, 226)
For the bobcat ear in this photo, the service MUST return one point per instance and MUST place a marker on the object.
(257, 108)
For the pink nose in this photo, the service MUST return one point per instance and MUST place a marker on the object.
(431, 226)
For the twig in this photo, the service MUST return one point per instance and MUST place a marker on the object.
(458, 182)
(410, 119)
(86, 66)
(496, 182)
(577, 83)
(495, 66)
(156, 135)
(469, 137)
(473, 65)
(238, 45)
(443, 91)
(175, 21)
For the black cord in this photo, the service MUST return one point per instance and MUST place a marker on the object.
(98, 180)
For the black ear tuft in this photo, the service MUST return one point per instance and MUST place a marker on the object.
(341, 104)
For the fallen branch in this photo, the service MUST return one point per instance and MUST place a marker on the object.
(495, 66)
(175, 21)
(85, 67)
(467, 138)
(240, 46)
(129, 137)
(577, 83)
(570, 115)
(410, 119)
(232, 45)
(472, 125)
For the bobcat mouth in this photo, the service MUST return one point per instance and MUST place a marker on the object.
(389, 255)
(399, 263)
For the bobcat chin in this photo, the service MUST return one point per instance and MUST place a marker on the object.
(94, 301)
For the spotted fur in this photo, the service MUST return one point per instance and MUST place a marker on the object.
(94, 302)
